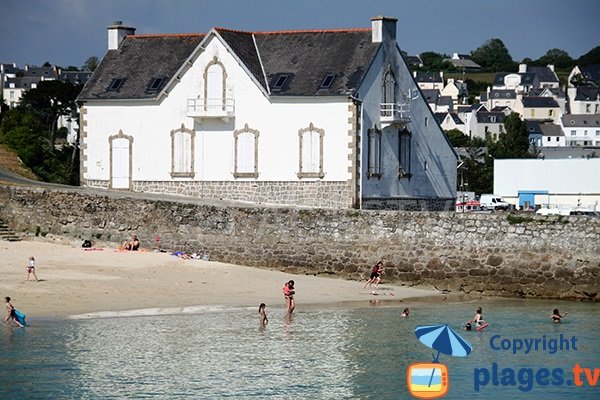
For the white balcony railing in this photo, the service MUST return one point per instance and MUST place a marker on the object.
(211, 108)
(395, 113)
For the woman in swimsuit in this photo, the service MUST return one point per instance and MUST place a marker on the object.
(288, 294)
(263, 314)
(31, 269)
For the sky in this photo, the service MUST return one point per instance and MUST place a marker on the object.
(68, 32)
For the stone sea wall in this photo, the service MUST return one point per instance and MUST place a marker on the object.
(515, 255)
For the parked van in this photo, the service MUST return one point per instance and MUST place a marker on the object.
(492, 202)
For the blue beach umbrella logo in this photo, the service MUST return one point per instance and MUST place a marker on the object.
(431, 380)
(443, 339)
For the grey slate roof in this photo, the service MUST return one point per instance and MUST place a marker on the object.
(431, 95)
(22, 82)
(428, 77)
(555, 153)
(549, 129)
(527, 78)
(441, 116)
(587, 93)
(138, 60)
(502, 94)
(490, 117)
(591, 72)
(539, 102)
(310, 55)
(446, 101)
(581, 120)
(306, 56)
(75, 77)
(463, 63)
(545, 74)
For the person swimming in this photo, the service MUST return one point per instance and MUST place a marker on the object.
(556, 316)
(263, 314)
(405, 313)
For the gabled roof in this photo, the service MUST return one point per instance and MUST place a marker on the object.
(445, 101)
(539, 102)
(581, 120)
(556, 92)
(545, 74)
(138, 60)
(463, 63)
(527, 78)
(533, 126)
(305, 57)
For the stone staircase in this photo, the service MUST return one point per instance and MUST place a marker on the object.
(8, 234)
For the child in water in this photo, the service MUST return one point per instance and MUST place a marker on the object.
(11, 313)
(263, 314)
(556, 316)
(404, 313)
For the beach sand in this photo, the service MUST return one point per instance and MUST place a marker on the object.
(75, 282)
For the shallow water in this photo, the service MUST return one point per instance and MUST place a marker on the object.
(341, 353)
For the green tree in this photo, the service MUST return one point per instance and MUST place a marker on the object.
(457, 138)
(50, 100)
(493, 56)
(23, 131)
(90, 64)
(589, 58)
(433, 61)
(559, 58)
(477, 170)
(514, 142)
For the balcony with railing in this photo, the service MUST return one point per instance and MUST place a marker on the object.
(211, 108)
(395, 114)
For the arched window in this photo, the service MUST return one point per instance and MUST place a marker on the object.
(389, 92)
(311, 152)
(182, 152)
(215, 79)
(246, 153)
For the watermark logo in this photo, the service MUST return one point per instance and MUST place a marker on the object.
(431, 380)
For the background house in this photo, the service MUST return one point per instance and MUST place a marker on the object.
(318, 118)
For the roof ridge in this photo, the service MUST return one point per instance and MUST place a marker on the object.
(147, 35)
(291, 31)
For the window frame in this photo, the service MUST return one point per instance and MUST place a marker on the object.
(246, 130)
(183, 174)
(310, 174)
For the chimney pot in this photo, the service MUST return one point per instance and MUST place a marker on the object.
(116, 33)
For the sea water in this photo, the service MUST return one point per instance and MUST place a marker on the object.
(357, 352)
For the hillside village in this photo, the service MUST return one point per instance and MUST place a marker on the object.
(563, 125)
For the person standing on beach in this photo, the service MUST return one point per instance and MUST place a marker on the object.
(376, 273)
(288, 294)
(31, 269)
(11, 313)
(263, 314)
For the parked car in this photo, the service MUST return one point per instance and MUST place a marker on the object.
(492, 202)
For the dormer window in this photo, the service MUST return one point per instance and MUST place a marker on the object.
(280, 81)
(327, 81)
(155, 84)
(116, 84)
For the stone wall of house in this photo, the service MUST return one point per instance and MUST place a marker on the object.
(309, 193)
(492, 254)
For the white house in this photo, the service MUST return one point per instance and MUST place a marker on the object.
(584, 100)
(581, 129)
(318, 118)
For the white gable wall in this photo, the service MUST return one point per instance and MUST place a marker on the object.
(150, 124)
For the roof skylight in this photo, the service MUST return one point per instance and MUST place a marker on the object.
(116, 84)
(327, 81)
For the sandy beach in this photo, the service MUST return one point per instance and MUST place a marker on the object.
(76, 282)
